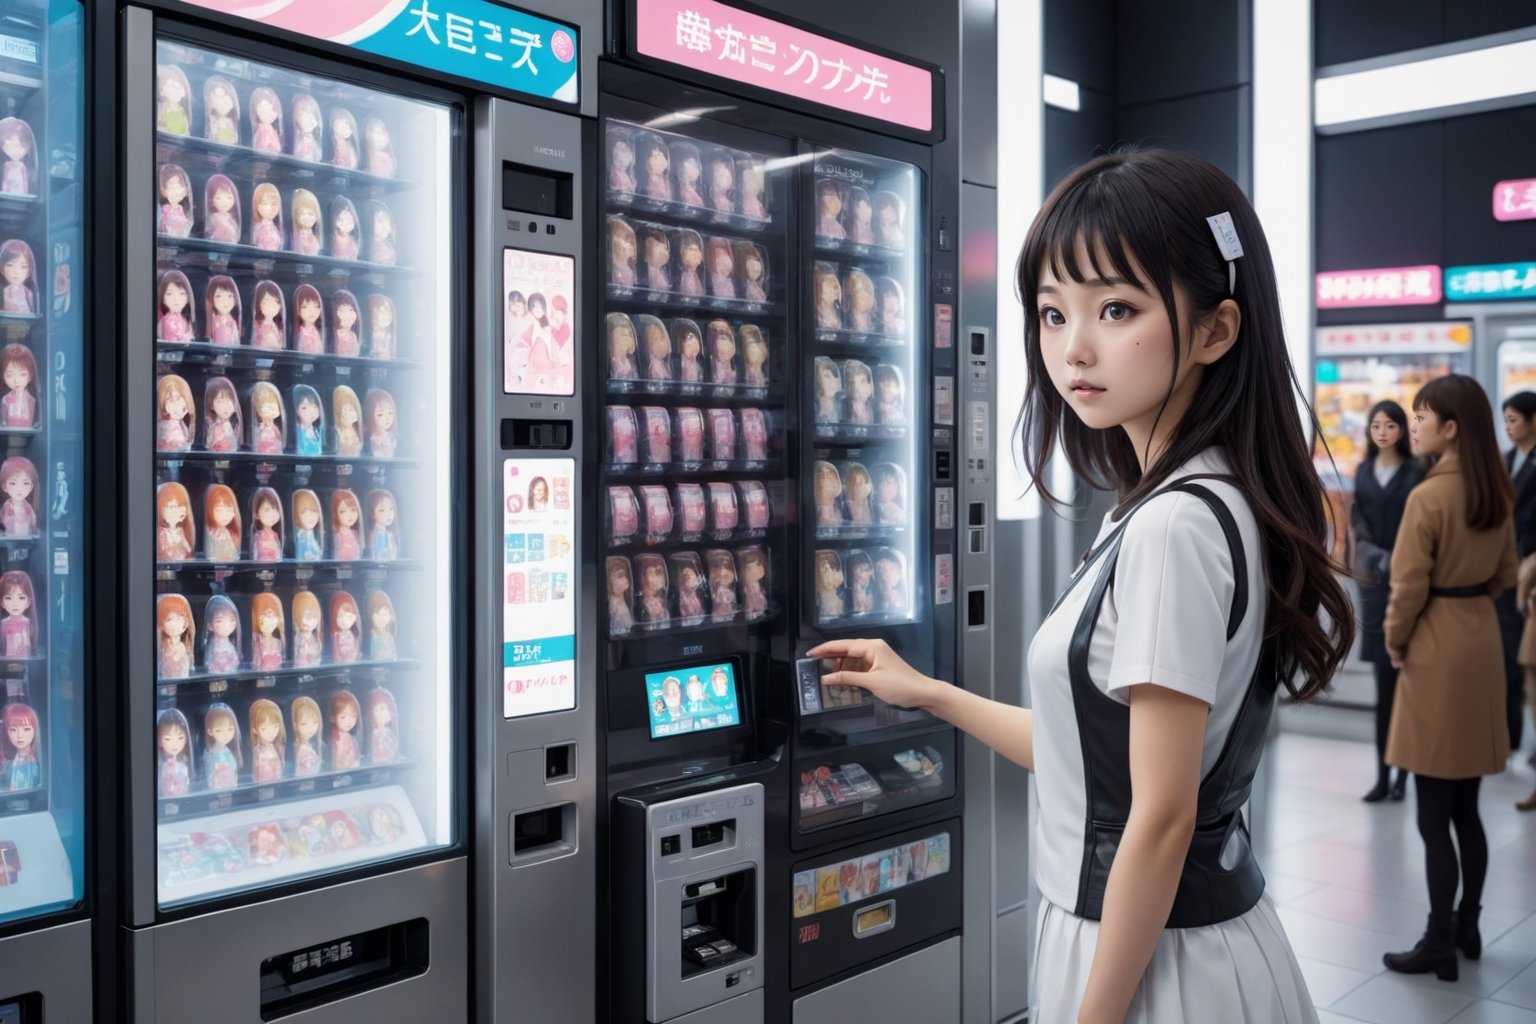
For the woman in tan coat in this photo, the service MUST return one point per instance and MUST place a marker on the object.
(1455, 552)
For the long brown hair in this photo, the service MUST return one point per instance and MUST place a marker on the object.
(1457, 398)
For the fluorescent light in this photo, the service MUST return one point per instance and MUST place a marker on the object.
(1060, 92)
(1418, 89)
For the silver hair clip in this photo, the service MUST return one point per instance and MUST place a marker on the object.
(1230, 245)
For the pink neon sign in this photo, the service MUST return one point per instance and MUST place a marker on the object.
(1515, 200)
(1389, 286)
(743, 47)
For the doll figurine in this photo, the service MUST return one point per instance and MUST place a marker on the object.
(829, 391)
(621, 253)
(829, 298)
(658, 436)
(657, 505)
(723, 510)
(20, 149)
(381, 241)
(749, 175)
(221, 747)
(690, 255)
(658, 351)
(383, 744)
(381, 626)
(304, 713)
(655, 163)
(889, 212)
(221, 524)
(890, 495)
(267, 532)
(175, 771)
(689, 431)
(722, 435)
(18, 407)
(754, 498)
(221, 203)
(658, 255)
(621, 347)
(383, 431)
(18, 478)
(267, 209)
(267, 631)
(889, 392)
(16, 264)
(308, 628)
(861, 389)
(377, 148)
(890, 318)
(621, 161)
(346, 545)
(890, 582)
(346, 339)
(623, 515)
(860, 217)
(722, 182)
(20, 749)
(347, 415)
(621, 615)
(750, 267)
(829, 582)
(857, 490)
(382, 532)
(623, 436)
(307, 227)
(18, 630)
(175, 202)
(269, 317)
(722, 585)
(691, 588)
(174, 536)
(176, 322)
(722, 353)
(309, 338)
(346, 630)
(221, 105)
(343, 139)
(173, 106)
(828, 489)
(653, 588)
(381, 327)
(344, 229)
(173, 627)
(754, 435)
(860, 291)
(344, 717)
(306, 127)
(308, 419)
(266, 121)
(221, 647)
(221, 416)
(688, 169)
(269, 740)
(222, 310)
(307, 539)
(690, 350)
(754, 581)
(829, 209)
(722, 268)
(754, 355)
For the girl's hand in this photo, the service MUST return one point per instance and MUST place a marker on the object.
(1397, 655)
(872, 665)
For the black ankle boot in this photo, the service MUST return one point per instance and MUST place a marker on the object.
(1400, 786)
(1434, 954)
(1468, 939)
(1378, 792)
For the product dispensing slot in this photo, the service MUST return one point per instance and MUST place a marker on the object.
(719, 919)
(543, 833)
(27, 1009)
(537, 190)
(342, 967)
(714, 833)
(976, 608)
(546, 434)
(873, 920)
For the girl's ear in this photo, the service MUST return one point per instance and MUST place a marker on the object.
(1216, 335)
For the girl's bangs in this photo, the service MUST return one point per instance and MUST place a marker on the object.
(1090, 219)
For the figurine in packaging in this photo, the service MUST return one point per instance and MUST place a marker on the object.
(861, 388)
(621, 253)
(658, 349)
(623, 515)
(221, 111)
(344, 721)
(890, 494)
(268, 317)
(829, 586)
(174, 537)
(754, 355)
(175, 321)
(306, 127)
(653, 588)
(622, 440)
(829, 298)
(16, 265)
(383, 430)
(381, 240)
(221, 646)
(621, 347)
(308, 542)
(657, 506)
(690, 256)
(267, 535)
(381, 327)
(829, 391)
(20, 149)
(686, 165)
(722, 181)
(754, 498)
(345, 229)
(751, 268)
(658, 257)
(173, 627)
(269, 741)
(829, 209)
(347, 415)
(308, 628)
(828, 488)
(221, 203)
(860, 291)
(266, 632)
(266, 419)
(18, 478)
(310, 336)
(377, 148)
(690, 350)
(19, 749)
(621, 615)
(306, 223)
(722, 585)
(305, 715)
(889, 214)
(173, 107)
(221, 416)
(266, 121)
(176, 422)
(18, 629)
(688, 430)
(381, 626)
(753, 563)
(175, 202)
(222, 309)
(724, 513)
(309, 420)
(346, 545)
(890, 581)
(754, 435)
(749, 173)
(346, 630)
(890, 393)
(860, 217)
(267, 210)
(722, 269)
(857, 491)
(221, 524)
(655, 163)
(175, 772)
(343, 139)
(621, 160)
(691, 589)
(383, 746)
(383, 534)
(891, 318)
(658, 436)
(722, 435)
(722, 353)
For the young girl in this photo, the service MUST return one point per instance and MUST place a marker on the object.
(18, 630)
(222, 300)
(267, 230)
(267, 537)
(268, 317)
(381, 626)
(308, 630)
(221, 747)
(178, 414)
(222, 206)
(345, 333)
(171, 735)
(221, 416)
(267, 632)
(305, 714)
(18, 514)
(381, 327)
(1156, 353)
(19, 748)
(347, 414)
(346, 630)
(176, 202)
(344, 716)
(269, 741)
(346, 545)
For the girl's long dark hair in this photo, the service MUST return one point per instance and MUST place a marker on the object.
(1394, 412)
(1141, 216)
(1457, 398)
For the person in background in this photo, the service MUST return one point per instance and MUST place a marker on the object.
(1455, 554)
(1515, 623)
(1382, 483)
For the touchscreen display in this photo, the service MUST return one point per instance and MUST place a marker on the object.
(537, 344)
(692, 700)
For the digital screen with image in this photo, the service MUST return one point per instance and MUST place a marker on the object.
(692, 700)
(538, 307)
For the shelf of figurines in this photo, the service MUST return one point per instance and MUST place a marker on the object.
(301, 571)
(617, 472)
(254, 794)
(692, 624)
(683, 305)
(250, 357)
(685, 214)
(861, 532)
(856, 435)
(176, 253)
(860, 339)
(16, 210)
(662, 543)
(843, 247)
(203, 683)
(298, 463)
(243, 161)
(24, 802)
(677, 389)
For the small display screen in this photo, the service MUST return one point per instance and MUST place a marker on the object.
(538, 350)
(692, 700)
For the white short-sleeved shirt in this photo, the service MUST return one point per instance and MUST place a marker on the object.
(1163, 621)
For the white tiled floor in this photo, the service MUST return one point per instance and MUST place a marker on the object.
(1349, 881)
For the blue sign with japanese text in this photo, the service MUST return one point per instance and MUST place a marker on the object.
(1492, 281)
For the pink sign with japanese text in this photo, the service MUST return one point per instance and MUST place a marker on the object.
(753, 50)
(1515, 200)
(1387, 286)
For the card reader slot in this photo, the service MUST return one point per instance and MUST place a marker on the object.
(713, 833)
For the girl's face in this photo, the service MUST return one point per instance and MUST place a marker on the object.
(348, 414)
(309, 621)
(223, 513)
(268, 622)
(222, 731)
(306, 723)
(346, 514)
(21, 733)
(346, 718)
(384, 416)
(827, 379)
(828, 291)
(308, 411)
(692, 256)
(345, 620)
(623, 154)
(309, 517)
(888, 489)
(383, 226)
(220, 100)
(267, 515)
(175, 190)
(269, 306)
(305, 216)
(174, 625)
(175, 294)
(306, 120)
(309, 311)
(341, 128)
(18, 486)
(266, 112)
(15, 147)
(540, 493)
(172, 741)
(754, 266)
(223, 624)
(1516, 427)
(346, 316)
(657, 161)
(1432, 435)
(346, 222)
(18, 268)
(15, 601)
(17, 376)
(1385, 432)
(756, 353)
(266, 206)
(173, 512)
(223, 200)
(723, 262)
(223, 300)
(172, 92)
(381, 715)
(656, 344)
(266, 731)
(384, 511)
(382, 617)
(384, 315)
(223, 405)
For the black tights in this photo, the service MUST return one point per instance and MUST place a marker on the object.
(1443, 803)
(1386, 691)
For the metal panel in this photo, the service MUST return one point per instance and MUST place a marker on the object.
(520, 973)
(922, 988)
(734, 1011)
(978, 91)
(1015, 933)
(54, 962)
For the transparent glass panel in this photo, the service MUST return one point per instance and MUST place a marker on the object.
(302, 405)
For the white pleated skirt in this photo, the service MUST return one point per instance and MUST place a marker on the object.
(1238, 972)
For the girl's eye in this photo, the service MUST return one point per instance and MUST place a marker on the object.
(1051, 317)
(1117, 312)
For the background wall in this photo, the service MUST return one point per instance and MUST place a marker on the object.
(1348, 30)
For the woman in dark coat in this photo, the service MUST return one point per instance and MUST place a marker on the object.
(1382, 483)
